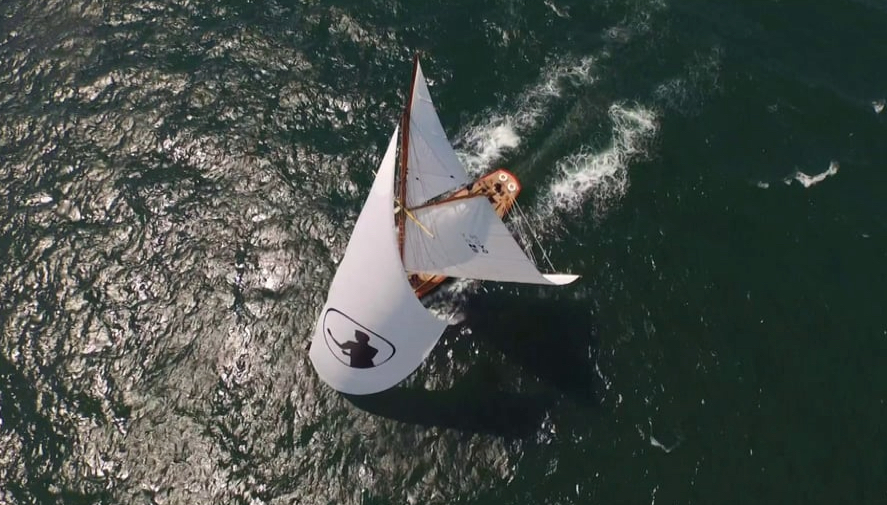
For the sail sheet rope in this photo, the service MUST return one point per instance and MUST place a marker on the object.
(525, 227)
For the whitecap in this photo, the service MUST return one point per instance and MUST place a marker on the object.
(811, 180)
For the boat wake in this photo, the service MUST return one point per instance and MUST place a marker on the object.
(601, 175)
(486, 140)
(588, 173)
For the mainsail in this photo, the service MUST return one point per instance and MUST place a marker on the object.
(373, 331)
(432, 166)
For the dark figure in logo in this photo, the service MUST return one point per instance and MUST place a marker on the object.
(360, 352)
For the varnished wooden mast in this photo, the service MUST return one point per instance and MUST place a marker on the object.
(404, 158)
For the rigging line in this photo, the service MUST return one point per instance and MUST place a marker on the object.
(412, 217)
(404, 158)
(524, 230)
(447, 200)
(525, 243)
(535, 238)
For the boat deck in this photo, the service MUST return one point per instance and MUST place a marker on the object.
(501, 187)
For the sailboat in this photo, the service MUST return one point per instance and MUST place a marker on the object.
(419, 225)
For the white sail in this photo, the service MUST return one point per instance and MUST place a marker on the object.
(432, 165)
(465, 238)
(373, 331)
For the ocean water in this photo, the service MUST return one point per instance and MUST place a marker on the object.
(179, 179)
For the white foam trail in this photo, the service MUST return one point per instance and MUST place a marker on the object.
(488, 142)
(561, 13)
(602, 175)
(811, 180)
(484, 142)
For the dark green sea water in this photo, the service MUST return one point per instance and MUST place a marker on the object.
(179, 178)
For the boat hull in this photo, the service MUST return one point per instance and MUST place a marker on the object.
(501, 187)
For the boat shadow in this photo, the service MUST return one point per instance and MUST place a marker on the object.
(554, 340)
(467, 408)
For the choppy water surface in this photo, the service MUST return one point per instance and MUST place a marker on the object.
(179, 179)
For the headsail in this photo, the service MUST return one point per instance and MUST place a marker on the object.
(432, 165)
(465, 238)
(373, 331)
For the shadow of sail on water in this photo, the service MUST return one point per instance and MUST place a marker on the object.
(373, 331)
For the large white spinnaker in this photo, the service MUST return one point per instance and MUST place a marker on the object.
(432, 165)
(465, 238)
(373, 331)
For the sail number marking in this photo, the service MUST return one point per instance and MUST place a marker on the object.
(475, 243)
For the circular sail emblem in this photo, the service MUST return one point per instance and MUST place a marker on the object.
(352, 343)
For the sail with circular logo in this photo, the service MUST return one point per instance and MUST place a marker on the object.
(371, 306)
